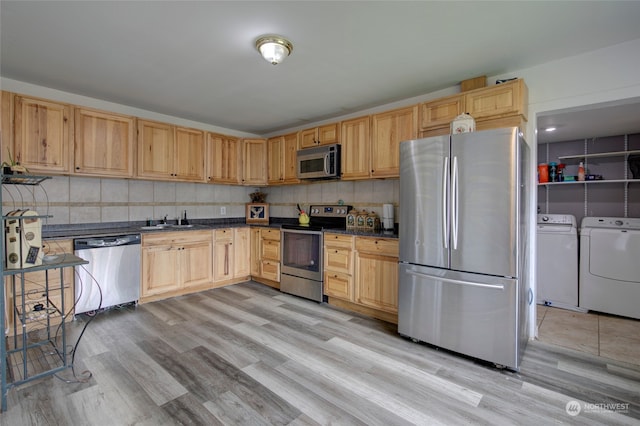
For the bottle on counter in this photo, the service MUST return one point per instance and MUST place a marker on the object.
(581, 171)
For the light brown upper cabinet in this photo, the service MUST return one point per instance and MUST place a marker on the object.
(356, 147)
(103, 143)
(224, 158)
(275, 160)
(291, 158)
(41, 135)
(506, 99)
(436, 116)
(501, 105)
(322, 135)
(169, 152)
(282, 159)
(254, 162)
(388, 129)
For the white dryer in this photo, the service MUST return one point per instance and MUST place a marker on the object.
(610, 265)
(557, 261)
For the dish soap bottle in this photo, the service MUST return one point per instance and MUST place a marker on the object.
(581, 172)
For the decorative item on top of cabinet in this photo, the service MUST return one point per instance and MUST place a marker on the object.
(254, 162)
(224, 159)
(169, 152)
(322, 135)
(41, 135)
(356, 148)
(388, 130)
(103, 143)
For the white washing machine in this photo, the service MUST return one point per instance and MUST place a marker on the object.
(557, 261)
(610, 265)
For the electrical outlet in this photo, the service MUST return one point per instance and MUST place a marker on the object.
(223, 210)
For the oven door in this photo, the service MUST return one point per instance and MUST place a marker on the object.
(302, 253)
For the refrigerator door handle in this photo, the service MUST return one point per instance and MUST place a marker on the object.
(460, 282)
(454, 204)
(445, 203)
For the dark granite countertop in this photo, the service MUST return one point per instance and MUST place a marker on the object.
(126, 228)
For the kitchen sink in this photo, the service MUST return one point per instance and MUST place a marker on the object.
(164, 226)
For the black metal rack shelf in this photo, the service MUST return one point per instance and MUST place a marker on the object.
(18, 353)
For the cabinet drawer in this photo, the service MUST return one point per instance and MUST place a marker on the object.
(338, 240)
(338, 285)
(271, 250)
(175, 238)
(338, 259)
(383, 246)
(224, 234)
(270, 234)
(270, 270)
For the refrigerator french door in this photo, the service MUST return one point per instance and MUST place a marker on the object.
(460, 225)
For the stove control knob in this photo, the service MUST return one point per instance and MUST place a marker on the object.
(619, 223)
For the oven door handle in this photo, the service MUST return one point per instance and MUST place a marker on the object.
(296, 231)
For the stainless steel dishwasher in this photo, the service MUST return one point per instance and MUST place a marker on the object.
(112, 276)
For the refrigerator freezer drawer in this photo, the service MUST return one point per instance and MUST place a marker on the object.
(471, 314)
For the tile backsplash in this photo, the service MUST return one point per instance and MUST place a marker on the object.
(71, 200)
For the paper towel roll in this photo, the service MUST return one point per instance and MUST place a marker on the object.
(387, 216)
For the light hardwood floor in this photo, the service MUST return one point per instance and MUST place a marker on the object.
(248, 354)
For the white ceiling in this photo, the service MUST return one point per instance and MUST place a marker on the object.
(197, 60)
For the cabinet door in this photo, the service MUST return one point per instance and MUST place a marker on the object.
(499, 100)
(275, 160)
(441, 112)
(388, 130)
(377, 281)
(329, 134)
(155, 149)
(223, 159)
(254, 162)
(160, 270)
(103, 143)
(196, 265)
(256, 251)
(223, 258)
(189, 154)
(241, 252)
(356, 160)
(291, 158)
(41, 135)
(338, 285)
(308, 137)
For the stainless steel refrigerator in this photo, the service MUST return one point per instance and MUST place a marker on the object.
(463, 221)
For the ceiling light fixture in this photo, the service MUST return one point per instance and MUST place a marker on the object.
(274, 48)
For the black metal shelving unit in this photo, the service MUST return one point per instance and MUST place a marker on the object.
(15, 351)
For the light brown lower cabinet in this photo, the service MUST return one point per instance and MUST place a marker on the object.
(265, 255)
(175, 263)
(231, 255)
(35, 292)
(361, 274)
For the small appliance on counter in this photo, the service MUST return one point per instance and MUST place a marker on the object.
(23, 239)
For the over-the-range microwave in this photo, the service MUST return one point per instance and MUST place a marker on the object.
(321, 162)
